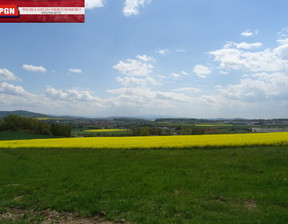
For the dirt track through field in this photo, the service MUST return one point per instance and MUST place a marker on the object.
(53, 217)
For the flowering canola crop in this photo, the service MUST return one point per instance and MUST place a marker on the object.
(179, 141)
(105, 130)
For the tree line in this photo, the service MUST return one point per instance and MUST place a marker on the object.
(14, 122)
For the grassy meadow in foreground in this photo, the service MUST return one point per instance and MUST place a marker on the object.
(221, 185)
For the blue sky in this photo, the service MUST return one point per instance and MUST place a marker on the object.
(184, 58)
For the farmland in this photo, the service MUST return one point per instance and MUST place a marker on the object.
(216, 185)
(147, 142)
(215, 178)
(105, 130)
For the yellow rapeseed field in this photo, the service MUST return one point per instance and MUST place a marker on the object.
(213, 125)
(180, 141)
(105, 130)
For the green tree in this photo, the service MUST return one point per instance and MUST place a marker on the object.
(61, 130)
(144, 131)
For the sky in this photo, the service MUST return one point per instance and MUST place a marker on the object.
(172, 58)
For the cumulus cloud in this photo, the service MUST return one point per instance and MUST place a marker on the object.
(178, 75)
(133, 81)
(184, 73)
(240, 57)
(201, 70)
(163, 51)
(14, 96)
(268, 60)
(282, 49)
(75, 70)
(175, 75)
(265, 87)
(132, 67)
(52, 101)
(249, 33)
(283, 34)
(90, 4)
(172, 96)
(33, 68)
(70, 95)
(131, 97)
(144, 98)
(55, 94)
(188, 89)
(5, 74)
(7, 88)
(128, 81)
(243, 45)
(132, 7)
(145, 58)
(264, 80)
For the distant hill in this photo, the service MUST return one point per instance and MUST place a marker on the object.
(22, 113)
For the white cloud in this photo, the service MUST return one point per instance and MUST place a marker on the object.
(201, 70)
(243, 45)
(178, 75)
(134, 67)
(53, 101)
(15, 97)
(71, 95)
(145, 58)
(131, 7)
(34, 68)
(246, 34)
(268, 60)
(282, 50)
(175, 75)
(263, 86)
(90, 4)
(5, 74)
(163, 51)
(184, 73)
(55, 94)
(249, 33)
(172, 96)
(283, 34)
(144, 99)
(75, 70)
(188, 89)
(247, 90)
(131, 81)
(152, 81)
(131, 96)
(7, 88)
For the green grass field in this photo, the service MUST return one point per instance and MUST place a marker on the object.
(221, 185)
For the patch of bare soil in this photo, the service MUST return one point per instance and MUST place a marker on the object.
(54, 217)
(250, 205)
